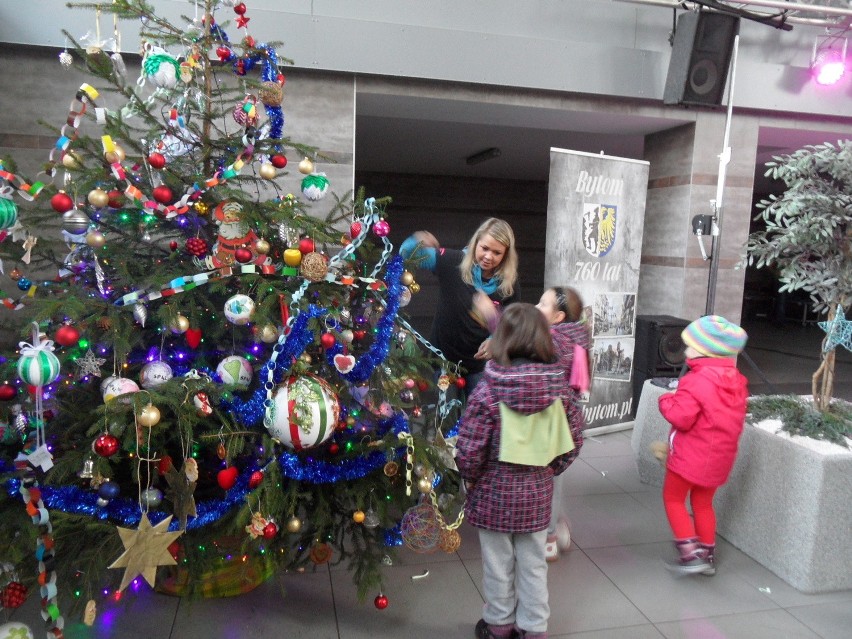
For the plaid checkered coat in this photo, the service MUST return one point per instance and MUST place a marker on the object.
(511, 497)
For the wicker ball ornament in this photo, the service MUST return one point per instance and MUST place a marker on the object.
(420, 529)
(449, 540)
(271, 93)
(314, 267)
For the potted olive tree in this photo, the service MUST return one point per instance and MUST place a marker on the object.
(787, 504)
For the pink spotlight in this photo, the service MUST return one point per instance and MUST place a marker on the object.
(829, 64)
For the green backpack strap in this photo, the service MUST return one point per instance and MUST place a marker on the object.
(536, 439)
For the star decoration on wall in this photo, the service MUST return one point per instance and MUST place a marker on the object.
(89, 365)
(144, 549)
(838, 331)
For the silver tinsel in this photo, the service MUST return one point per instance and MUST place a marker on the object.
(66, 60)
(140, 313)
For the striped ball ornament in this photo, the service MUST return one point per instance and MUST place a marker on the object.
(8, 213)
(38, 366)
(304, 413)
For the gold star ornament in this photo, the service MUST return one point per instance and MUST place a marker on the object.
(144, 549)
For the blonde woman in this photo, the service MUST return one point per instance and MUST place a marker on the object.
(487, 267)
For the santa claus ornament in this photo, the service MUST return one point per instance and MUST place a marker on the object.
(234, 237)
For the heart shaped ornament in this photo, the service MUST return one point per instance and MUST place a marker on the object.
(227, 477)
(193, 337)
(344, 363)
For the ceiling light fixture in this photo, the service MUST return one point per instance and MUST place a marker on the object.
(483, 156)
(828, 62)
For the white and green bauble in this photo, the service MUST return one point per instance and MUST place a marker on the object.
(15, 630)
(235, 370)
(38, 366)
(305, 411)
(315, 186)
(239, 309)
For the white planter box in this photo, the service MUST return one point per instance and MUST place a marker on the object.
(788, 505)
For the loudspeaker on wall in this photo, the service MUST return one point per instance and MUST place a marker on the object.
(701, 55)
(658, 351)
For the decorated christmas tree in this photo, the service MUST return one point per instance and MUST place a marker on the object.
(213, 382)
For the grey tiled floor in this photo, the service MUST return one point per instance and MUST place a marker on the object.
(611, 584)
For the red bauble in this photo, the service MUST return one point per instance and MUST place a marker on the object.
(196, 246)
(227, 477)
(327, 340)
(7, 392)
(354, 230)
(157, 160)
(173, 245)
(306, 245)
(333, 448)
(165, 464)
(223, 53)
(106, 445)
(255, 479)
(163, 194)
(243, 255)
(278, 161)
(381, 602)
(422, 385)
(116, 199)
(239, 9)
(62, 202)
(460, 382)
(359, 334)
(13, 595)
(270, 530)
(66, 335)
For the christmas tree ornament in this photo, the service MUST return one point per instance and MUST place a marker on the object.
(344, 363)
(118, 387)
(227, 477)
(221, 451)
(15, 274)
(267, 171)
(235, 370)
(294, 525)
(355, 230)
(145, 549)
(414, 288)
(268, 333)
(193, 337)
(449, 540)
(404, 297)
(419, 528)
(371, 519)
(117, 154)
(181, 491)
(346, 336)
(90, 612)
(391, 469)
(61, 202)
(461, 382)
(37, 365)
(163, 194)
(72, 160)
(315, 186)
(151, 497)
(88, 470)
(239, 309)
(327, 340)
(109, 490)
(304, 413)
(271, 93)
(202, 208)
(257, 525)
(157, 160)
(115, 199)
(243, 255)
(95, 239)
(75, 222)
(306, 166)
(7, 392)
(255, 479)
(424, 485)
(66, 335)
(406, 395)
(149, 416)
(278, 161)
(179, 325)
(89, 365)
(155, 374)
(98, 198)
(15, 630)
(245, 113)
(140, 314)
(13, 595)
(65, 59)
(8, 213)
(381, 228)
(196, 246)
(407, 278)
(314, 267)
(24, 284)
(262, 247)
(201, 401)
(307, 245)
(161, 68)
(321, 553)
(292, 257)
(270, 530)
(381, 602)
(358, 516)
(106, 445)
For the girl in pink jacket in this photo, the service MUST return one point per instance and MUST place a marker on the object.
(707, 413)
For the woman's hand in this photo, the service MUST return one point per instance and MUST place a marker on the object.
(483, 352)
(484, 311)
(426, 239)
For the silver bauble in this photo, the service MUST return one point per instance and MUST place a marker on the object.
(75, 222)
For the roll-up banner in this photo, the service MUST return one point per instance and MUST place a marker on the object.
(595, 217)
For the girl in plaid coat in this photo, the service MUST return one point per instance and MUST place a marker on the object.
(514, 439)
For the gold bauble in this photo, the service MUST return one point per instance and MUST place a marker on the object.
(306, 166)
(116, 155)
(95, 239)
(424, 485)
(98, 198)
(294, 525)
(314, 267)
(414, 288)
(267, 171)
(307, 359)
(268, 333)
(72, 160)
(407, 278)
(262, 247)
(15, 274)
(149, 416)
(180, 324)
(292, 257)
(202, 208)
(358, 516)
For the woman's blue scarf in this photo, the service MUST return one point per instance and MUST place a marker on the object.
(487, 287)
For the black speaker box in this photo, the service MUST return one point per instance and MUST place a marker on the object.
(658, 351)
(701, 55)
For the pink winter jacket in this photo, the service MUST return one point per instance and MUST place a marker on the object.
(707, 412)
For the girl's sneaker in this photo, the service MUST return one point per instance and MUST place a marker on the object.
(484, 631)
(551, 549)
(563, 535)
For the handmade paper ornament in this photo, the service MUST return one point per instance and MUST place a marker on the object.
(15, 630)
(118, 387)
(144, 549)
(201, 401)
(315, 186)
(161, 68)
(154, 374)
(233, 234)
(235, 370)
(305, 412)
(239, 309)
(245, 113)
(38, 366)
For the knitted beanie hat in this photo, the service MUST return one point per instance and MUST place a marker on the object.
(714, 336)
